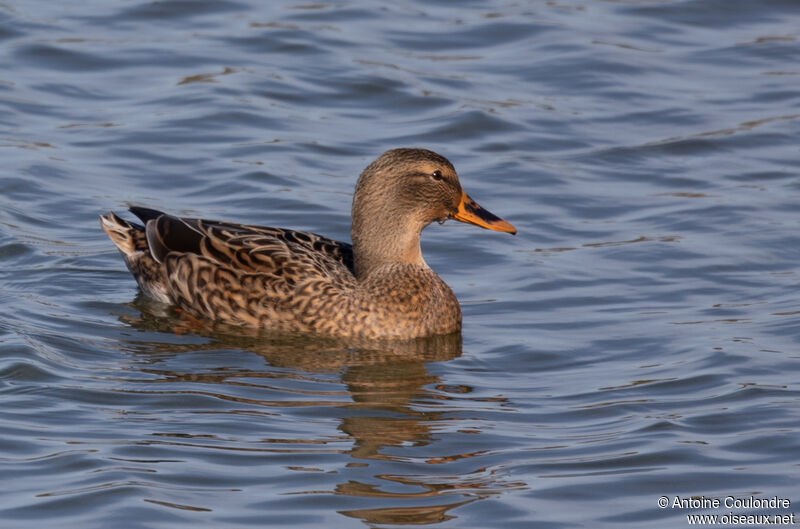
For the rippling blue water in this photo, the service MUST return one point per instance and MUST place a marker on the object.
(637, 339)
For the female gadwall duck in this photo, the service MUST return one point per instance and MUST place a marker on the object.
(284, 280)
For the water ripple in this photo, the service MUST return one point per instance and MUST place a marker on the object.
(637, 338)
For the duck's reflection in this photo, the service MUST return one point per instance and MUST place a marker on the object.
(385, 377)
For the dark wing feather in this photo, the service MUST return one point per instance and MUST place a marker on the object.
(145, 214)
(167, 234)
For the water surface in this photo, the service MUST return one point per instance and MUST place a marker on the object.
(637, 339)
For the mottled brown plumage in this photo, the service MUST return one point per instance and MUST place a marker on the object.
(292, 281)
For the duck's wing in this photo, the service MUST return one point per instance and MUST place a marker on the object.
(235, 273)
(287, 254)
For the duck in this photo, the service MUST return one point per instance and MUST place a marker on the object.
(288, 281)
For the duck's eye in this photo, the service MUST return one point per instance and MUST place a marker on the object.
(437, 175)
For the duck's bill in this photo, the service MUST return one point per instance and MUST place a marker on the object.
(471, 212)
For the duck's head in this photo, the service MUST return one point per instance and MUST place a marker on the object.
(399, 194)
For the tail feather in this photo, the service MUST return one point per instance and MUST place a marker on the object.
(130, 238)
(123, 233)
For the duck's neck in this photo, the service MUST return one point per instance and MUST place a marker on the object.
(382, 241)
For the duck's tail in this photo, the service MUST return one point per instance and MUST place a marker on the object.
(129, 237)
(131, 240)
